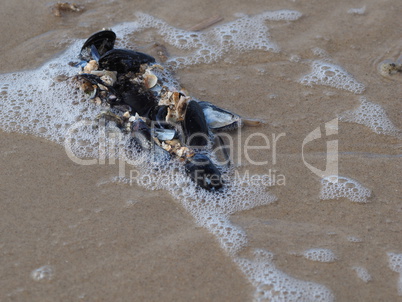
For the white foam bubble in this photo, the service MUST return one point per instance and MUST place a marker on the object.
(362, 273)
(354, 239)
(33, 102)
(357, 11)
(274, 285)
(371, 115)
(294, 58)
(320, 255)
(335, 187)
(328, 74)
(319, 52)
(231, 237)
(243, 34)
(45, 272)
(395, 264)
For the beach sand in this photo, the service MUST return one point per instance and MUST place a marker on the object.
(106, 241)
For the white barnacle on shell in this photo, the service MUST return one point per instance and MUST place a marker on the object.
(91, 66)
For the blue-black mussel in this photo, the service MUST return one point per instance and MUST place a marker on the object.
(142, 139)
(195, 126)
(160, 120)
(94, 86)
(204, 172)
(124, 61)
(140, 99)
(97, 45)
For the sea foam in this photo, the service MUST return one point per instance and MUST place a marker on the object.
(36, 102)
(328, 74)
(395, 264)
(371, 115)
(320, 255)
(274, 285)
(246, 33)
(335, 187)
(362, 273)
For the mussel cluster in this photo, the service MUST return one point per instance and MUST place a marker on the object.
(158, 117)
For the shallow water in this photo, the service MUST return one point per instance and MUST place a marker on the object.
(144, 239)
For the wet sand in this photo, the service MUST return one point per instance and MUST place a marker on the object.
(109, 241)
(105, 242)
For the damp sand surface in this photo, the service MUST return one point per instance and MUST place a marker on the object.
(104, 241)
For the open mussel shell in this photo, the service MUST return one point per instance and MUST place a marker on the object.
(100, 42)
(219, 119)
(142, 139)
(143, 133)
(203, 172)
(124, 61)
(159, 115)
(195, 126)
(221, 151)
(165, 134)
(93, 84)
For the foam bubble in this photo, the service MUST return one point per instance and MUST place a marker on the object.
(231, 237)
(274, 285)
(45, 272)
(320, 255)
(33, 102)
(294, 58)
(319, 52)
(328, 74)
(395, 264)
(362, 273)
(243, 34)
(357, 11)
(371, 115)
(354, 239)
(335, 187)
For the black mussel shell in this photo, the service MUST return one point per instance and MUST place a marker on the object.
(124, 61)
(142, 132)
(140, 103)
(195, 126)
(142, 140)
(203, 172)
(103, 41)
(162, 129)
(158, 117)
(140, 100)
(219, 119)
(95, 80)
(221, 151)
